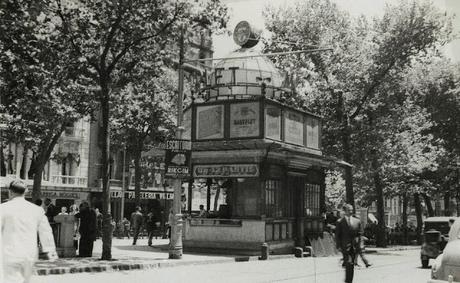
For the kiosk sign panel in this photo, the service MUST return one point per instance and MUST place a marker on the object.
(226, 170)
(244, 120)
(210, 122)
(294, 128)
(178, 158)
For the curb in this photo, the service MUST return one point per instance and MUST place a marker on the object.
(111, 267)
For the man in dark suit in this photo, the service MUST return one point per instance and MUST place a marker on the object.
(347, 235)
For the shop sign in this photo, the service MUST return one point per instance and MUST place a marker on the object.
(178, 158)
(60, 195)
(143, 195)
(294, 128)
(226, 170)
(244, 120)
(210, 122)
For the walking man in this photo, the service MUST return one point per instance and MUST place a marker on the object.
(21, 222)
(347, 233)
(136, 223)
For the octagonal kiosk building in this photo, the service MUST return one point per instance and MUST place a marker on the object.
(257, 164)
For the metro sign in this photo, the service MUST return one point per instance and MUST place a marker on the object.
(178, 159)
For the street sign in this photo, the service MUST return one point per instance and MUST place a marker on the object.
(178, 159)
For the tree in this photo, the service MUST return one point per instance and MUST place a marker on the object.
(142, 115)
(340, 84)
(43, 92)
(343, 85)
(115, 38)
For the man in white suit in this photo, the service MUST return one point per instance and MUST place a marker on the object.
(21, 221)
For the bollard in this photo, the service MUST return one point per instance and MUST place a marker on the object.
(308, 251)
(264, 249)
(298, 252)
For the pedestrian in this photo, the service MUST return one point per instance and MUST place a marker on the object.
(99, 222)
(203, 213)
(21, 222)
(347, 233)
(136, 223)
(50, 210)
(170, 222)
(63, 211)
(126, 225)
(151, 225)
(87, 228)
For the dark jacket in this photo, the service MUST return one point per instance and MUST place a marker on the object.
(88, 223)
(348, 235)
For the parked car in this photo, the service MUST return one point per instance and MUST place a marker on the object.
(446, 267)
(435, 237)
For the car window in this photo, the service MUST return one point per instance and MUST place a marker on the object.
(454, 232)
(442, 227)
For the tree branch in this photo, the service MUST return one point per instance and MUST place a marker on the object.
(139, 40)
(371, 88)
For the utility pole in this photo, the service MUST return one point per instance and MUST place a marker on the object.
(175, 242)
(123, 186)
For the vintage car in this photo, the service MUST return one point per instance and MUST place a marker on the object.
(435, 237)
(446, 267)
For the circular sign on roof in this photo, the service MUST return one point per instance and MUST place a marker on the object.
(246, 36)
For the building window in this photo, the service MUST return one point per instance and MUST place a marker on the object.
(273, 198)
(312, 199)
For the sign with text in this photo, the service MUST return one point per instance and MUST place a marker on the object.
(244, 120)
(273, 123)
(226, 170)
(293, 128)
(210, 122)
(178, 158)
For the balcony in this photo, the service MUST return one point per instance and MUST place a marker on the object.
(70, 181)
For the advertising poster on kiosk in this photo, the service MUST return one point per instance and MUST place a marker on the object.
(210, 122)
(244, 120)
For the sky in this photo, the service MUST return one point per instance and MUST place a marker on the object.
(251, 11)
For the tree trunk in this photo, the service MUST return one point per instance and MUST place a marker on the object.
(418, 212)
(381, 240)
(404, 218)
(447, 204)
(37, 185)
(137, 175)
(346, 149)
(23, 170)
(105, 136)
(39, 162)
(2, 158)
(428, 204)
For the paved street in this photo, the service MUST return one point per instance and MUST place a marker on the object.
(396, 266)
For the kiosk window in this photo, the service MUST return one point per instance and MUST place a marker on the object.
(273, 201)
(312, 197)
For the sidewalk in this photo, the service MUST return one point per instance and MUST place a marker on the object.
(128, 257)
(373, 249)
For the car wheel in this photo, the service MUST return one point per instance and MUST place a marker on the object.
(425, 263)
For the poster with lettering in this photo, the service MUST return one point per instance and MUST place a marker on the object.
(294, 128)
(210, 122)
(273, 123)
(244, 120)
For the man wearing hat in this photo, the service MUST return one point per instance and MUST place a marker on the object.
(21, 222)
